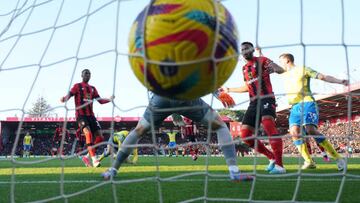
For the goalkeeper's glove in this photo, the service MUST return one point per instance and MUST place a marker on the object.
(225, 98)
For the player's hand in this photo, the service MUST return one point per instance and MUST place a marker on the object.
(227, 100)
(258, 52)
(112, 98)
(62, 99)
(224, 89)
(224, 97)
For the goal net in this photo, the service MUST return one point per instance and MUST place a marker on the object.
(45, 44)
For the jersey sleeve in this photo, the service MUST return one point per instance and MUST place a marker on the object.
(311, 72)
(95, 94)
(267, 65)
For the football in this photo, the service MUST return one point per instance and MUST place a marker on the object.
(183, 49)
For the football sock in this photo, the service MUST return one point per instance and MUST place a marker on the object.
(275, 143)
(226, 145)
(303, 150)
(320, 147)
(246, 133)
(308, 145)
(103, 155)
(330, 149)
(88, 140)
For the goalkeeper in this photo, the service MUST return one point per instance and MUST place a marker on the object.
(115, 143)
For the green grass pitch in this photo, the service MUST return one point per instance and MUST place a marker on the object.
(176, 179)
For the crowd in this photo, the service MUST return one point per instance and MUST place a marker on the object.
(344, 136)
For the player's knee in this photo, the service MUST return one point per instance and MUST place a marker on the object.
(311, 130)
(295, 133)
(246, 136)
(214, 119)
(216, 125)
(142, 127)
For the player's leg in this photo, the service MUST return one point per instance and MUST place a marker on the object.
(226, 145)
(247, 130)
(300, 144)
(325, 156)
(29, 150)
(28, 147)
(311, 123)
(297, 113)
(141, 128)
(322, 141)
(207, 116)
(24, 151)
(268, 112)
(107, 150)
(99, 138)
(85, 127)
(135, 157)
(193, 148)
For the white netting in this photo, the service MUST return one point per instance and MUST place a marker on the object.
(45, 44)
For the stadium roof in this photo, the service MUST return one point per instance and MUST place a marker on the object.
(332, 106)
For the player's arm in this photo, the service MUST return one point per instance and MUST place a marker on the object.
(276, 68)
(102, 100)
(273, 67)
(71, 93)
(331, 79)
(105, 100)
(241, 89)
(66, 97)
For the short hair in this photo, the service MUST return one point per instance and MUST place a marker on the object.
(85, 70)
(288, 56)
(247, 43)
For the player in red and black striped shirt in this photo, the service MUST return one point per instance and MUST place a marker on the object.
(84, 95)
(257, 72)
(57, 140)
(189, 131)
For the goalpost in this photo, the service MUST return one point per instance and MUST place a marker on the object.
(44, 45)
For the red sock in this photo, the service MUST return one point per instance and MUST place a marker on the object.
(245, 133)
(99, 139)
(88, 140)
(276, 143)
(191, 151)
(308, 145)
(321, 148)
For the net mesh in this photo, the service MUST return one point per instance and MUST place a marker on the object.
(38, 37)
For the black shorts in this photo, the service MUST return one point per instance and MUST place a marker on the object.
(191, 138)
(89, 121)
(267, 108)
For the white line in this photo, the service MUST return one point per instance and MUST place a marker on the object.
(180, 180)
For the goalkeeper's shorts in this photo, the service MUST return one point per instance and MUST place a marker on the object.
(159, 102)
(308, 111)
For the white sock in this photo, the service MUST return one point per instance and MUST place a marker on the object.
(234, 168)
(93, 158)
